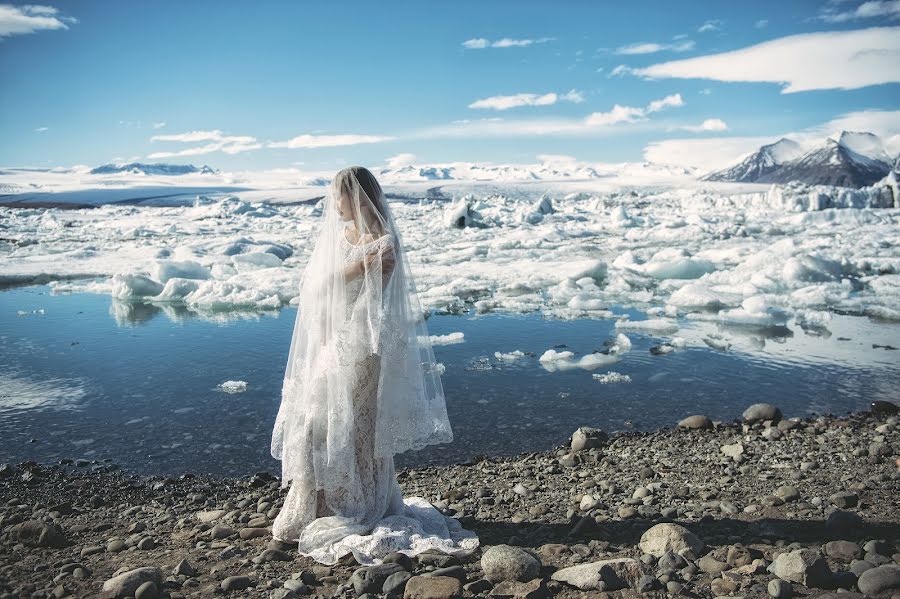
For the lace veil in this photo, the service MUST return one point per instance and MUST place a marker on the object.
(357, 298)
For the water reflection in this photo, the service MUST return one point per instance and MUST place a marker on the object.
(132, 312)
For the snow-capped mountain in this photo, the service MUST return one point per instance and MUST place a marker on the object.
(763, 162)
(854, 159)
(152, 169)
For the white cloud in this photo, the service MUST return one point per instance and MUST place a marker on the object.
(593, 124)
(854, 59)
(651, 48)
(710, 25)
(327, 141)
(707, 125)
(400, 160)
(159, 125)
(761, 24)
(620, 70)
(41, 129)
(618, 114)
(218, 142)
(712, 153)
(29, 18)
(867, 10)
(517, 100)
(673, 100)
(479, 43)
(705, 91)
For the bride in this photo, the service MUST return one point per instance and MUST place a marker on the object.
(361, 385)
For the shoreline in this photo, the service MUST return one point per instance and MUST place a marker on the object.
(824, 491)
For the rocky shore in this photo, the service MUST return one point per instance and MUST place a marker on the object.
(761, 507)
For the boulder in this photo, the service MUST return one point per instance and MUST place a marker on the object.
(803, 566)
(432, 587)
(125, 584)
(35, 533)
(880, 580)
(696, 422)
(587, 437)
(760, 412)
(505, 562)
(603, 575)
(669, 537)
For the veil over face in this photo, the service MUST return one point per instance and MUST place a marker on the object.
(357, 298)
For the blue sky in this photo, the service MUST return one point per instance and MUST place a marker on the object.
(320, 85)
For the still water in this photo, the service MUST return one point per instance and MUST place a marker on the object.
(83, 376)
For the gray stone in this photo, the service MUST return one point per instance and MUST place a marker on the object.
(669, 537)
(184, 568)
(396, 582)
(787, 493)
(220, 531)
(843, 523)
(587, 437)
(148, 590)
(844, 499)
(780, 589)
(803, 566)
(35, 533)
(432, 587)
(125, 584)
(603, 575)
(511, 589)
(760, 412)
(370, 579)
(505, 562)
(711, 565)
(858, 566)
(880, 580)
(843, 551)
(235, 583)
(696, 422)
(734, 450)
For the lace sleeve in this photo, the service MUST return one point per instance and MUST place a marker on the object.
(388, 262)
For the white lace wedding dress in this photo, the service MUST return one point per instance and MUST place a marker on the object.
(374, 520)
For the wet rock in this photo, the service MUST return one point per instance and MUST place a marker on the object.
(126, 583)
(880, 580)
(505, 562)
(760, 412)
(803, 566)
(669, 537)
(432, 587)
(35, 533)
(603, 575)
(696, 422)
(587, 437)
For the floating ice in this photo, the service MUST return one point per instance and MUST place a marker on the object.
(233, 386)
(552, 360)
(755, 311)
(509, 357)
(448, 339)
(659, 326)
(611, 377)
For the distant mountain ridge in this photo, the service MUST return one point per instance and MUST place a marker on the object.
(152, 169)
(855, 159)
